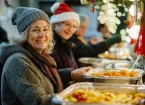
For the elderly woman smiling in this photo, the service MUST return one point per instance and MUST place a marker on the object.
(29, 76)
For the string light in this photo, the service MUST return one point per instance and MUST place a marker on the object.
(109, 14)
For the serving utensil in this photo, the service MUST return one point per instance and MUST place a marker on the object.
(138, 57)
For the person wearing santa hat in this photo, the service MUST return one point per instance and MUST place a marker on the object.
(64, 22)
(29, 75)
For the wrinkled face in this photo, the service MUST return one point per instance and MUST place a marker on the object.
(83, 28)
(66, 29)
(38, 35)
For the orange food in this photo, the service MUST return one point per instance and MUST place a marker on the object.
(116, 73)
(108, 55)
(103, 96)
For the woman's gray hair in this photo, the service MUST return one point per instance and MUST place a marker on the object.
(24, 35)
(83, 18)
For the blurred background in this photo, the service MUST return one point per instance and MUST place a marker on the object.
(121, 16)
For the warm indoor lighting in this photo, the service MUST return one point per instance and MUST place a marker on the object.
(132, 10)
(134, 31)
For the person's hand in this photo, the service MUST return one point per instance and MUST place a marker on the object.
(93, 41)
(78, 73)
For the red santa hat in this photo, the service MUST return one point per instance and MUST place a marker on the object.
(62, 12)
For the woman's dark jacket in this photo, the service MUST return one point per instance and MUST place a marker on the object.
(89, 50)
(62, 53)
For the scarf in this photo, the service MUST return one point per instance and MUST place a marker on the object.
(48, 67)
(60, 39)
(82, 40)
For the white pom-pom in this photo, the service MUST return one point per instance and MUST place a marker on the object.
(54, 7)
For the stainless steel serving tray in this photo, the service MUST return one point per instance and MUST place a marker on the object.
(58, 99)
(120, 65)
(99, 62)
(91, 60)
(117, 61)
(114, 79)
(94, 62)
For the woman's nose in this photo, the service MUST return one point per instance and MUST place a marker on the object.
(41, 34)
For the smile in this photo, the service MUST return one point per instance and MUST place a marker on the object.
(40, 41)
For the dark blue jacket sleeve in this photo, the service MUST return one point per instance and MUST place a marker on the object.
(65, 75)
(82, 50)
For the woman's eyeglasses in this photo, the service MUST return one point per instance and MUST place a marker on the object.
(66, 24)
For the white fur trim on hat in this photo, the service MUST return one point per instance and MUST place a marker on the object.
(65, 16)
(55, 6)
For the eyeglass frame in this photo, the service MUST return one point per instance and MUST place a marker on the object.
(70, 26)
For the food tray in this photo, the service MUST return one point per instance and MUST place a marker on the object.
(59, 98)
(114, 79)
(116, 53)
(98, 62)
(117, 61)
(93, 62)
(120, 65)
